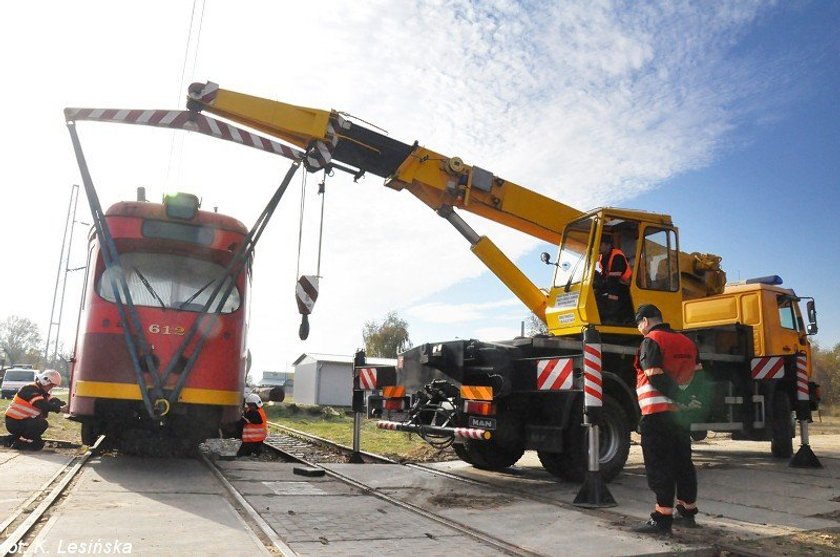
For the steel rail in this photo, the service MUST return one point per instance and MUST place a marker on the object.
(266, 529)
(14, 539)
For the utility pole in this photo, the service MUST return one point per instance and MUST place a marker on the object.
(61, 276)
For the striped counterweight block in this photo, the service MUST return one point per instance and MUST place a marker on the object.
(592, 377)
(802, 377)
(367, 378)
(555, 374)
(306, 293)
(768, 367)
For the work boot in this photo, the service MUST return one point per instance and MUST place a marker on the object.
(9, 440)
(659, 524)
(685, 517)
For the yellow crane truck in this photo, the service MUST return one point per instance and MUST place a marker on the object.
(487, 397)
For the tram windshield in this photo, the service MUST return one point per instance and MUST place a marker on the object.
(170, 282)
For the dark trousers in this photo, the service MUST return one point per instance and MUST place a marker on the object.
(666, 446)
(30, 428)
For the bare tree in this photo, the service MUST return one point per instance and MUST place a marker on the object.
(535, 326)
(19, 340)
(386, 339)
(826, 367)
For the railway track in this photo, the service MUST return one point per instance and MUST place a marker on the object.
(298, 451)
(24, 518)
(311, 448)
(297, 445)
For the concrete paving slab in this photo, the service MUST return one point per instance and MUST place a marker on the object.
(300, 487)
(539, 527)
(417, 547)
(270, 471)
(350, 518)
(23, 473)
(147, 475)
(153, 524)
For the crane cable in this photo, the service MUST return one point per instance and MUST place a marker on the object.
(306, 289)
(184, 71)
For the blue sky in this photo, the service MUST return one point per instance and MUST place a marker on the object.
(722, 114)
(768, 198)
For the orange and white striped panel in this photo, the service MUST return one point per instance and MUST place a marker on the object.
(768, 367)
(802, 377)
(393, 391)
(555, 374)
(592, 376)
(476, 392)
(367, 378)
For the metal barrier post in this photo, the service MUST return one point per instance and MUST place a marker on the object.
(594, 492)
(804, 457)
(358, 408)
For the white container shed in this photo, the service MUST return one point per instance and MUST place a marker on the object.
(327, 379)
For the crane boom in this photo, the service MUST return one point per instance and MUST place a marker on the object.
(443, 183)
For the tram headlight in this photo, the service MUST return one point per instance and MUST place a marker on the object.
(181, 205)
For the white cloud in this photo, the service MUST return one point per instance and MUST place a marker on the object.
(587, 102)
(438, 312)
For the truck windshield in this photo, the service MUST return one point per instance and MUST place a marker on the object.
(170, 281)
(571, 263)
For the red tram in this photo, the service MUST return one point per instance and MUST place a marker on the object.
(176, 263)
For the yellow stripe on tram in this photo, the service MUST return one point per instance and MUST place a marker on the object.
(130, 391)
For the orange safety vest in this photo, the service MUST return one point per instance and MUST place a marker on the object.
(21, 409)
(679, 360)
(256, 433)
(623, 277)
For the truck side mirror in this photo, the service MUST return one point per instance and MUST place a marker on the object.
(812, 317)
(545, 258)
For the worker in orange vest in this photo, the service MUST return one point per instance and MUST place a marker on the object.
(612, 286)
(253, 426)
(665, 366)
(26, 416)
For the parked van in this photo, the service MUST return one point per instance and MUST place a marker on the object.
(15, 378)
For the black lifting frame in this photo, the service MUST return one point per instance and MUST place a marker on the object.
(135, 336)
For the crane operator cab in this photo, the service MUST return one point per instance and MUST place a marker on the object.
(610, 261)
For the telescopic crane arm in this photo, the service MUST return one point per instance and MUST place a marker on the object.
(443, 183)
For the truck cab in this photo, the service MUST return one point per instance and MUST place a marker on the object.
(649, 242)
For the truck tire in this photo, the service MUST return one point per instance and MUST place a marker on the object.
(487, 455)
(781, 440)
(614, 438)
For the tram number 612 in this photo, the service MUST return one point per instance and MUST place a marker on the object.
(158, 329)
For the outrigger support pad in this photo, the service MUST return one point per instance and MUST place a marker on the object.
(804, 457)
(593, 493)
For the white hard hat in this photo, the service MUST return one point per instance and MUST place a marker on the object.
(49, 377)
(253, 398)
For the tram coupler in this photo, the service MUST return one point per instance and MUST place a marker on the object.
(804, 457)
(455, 432)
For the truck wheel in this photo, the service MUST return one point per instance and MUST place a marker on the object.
(487, 455)
(464, 453)
(614, 439)
(781, 441)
